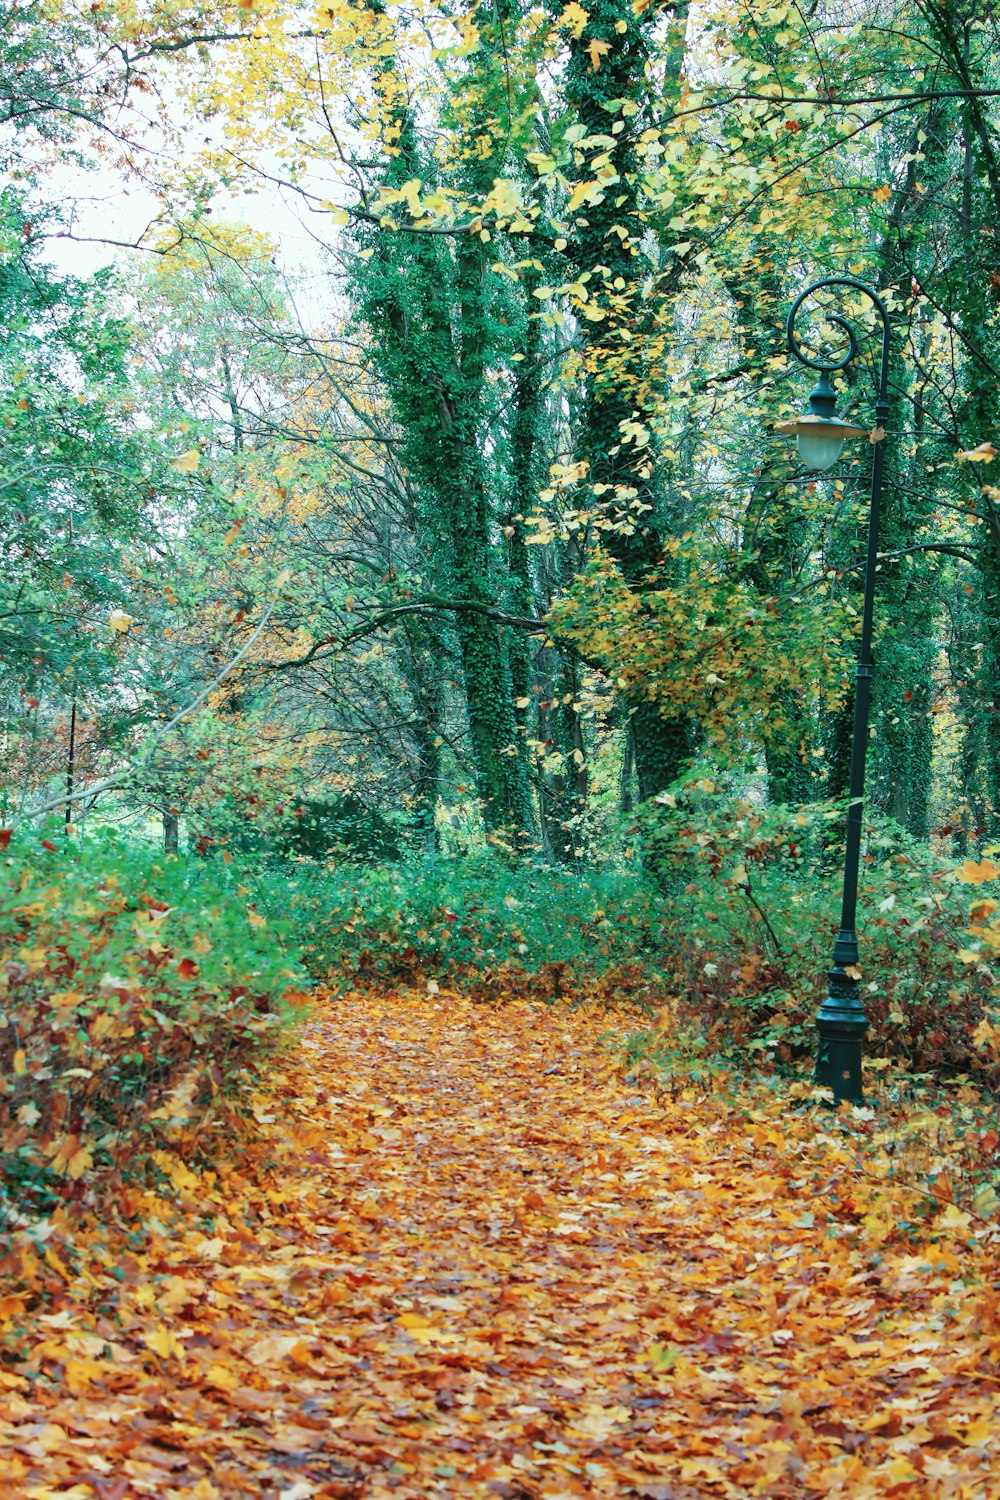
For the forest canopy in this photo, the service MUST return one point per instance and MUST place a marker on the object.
(472, 520)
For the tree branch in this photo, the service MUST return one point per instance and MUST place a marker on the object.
(430, 606)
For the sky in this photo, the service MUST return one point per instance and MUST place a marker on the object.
(107, 211)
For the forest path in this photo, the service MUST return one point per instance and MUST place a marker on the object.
(468, 1260)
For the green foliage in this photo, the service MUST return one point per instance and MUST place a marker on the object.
(71, 472)
(733, 940)
(344, 826)
(711, 645)
(138, 996)
(481, 922)
(753, 909)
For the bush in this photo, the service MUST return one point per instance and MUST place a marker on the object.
(754, 908)
(494, 927)
(137, 994)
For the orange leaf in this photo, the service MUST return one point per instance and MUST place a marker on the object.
(974, 872)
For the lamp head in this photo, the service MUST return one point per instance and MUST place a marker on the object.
(819, 433)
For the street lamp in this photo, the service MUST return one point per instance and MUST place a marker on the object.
(841, 1022)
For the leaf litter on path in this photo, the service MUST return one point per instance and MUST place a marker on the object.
(461, 1257)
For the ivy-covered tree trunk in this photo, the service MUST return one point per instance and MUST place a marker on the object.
(526, 438)
(776, 533)
(907, 603)
(429, 299)
(610, 62)
(908, 599)
(171, 831)
(974, 318)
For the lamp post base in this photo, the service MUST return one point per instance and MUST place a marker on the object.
(841, 1025)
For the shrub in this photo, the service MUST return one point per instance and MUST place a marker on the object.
(754, 908)
(137, 993)
(494, 927)
(734, 937)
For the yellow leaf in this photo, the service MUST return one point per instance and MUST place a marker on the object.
(953, 1218)
(984, 1033)
(974, 872)
(65, 999)
(79, 1162)
(882, 194)
(80, 1374)
(983, 453)
(119, 621)
(222, 1377)
(50, 1492)
(20, 1061)
(33, 959)
(985, 1201)
(575, 17)
(255, 919)
(600, 1421)
(412, 1320)
(584, 192)
(981, 1431)
(274, 1349)
(163, 1342)
(595, 51)
(101, 1026)
(62, 1151)
(189, 461)
(660, 1356)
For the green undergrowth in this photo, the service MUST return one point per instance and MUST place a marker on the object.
(495, 928)
(734, 931)
(138, 997)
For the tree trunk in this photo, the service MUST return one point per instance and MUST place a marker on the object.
(171, 831)
(606, 245)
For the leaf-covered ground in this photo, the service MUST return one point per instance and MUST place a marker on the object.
(463, 1257)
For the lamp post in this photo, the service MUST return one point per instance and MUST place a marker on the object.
(841, 1022)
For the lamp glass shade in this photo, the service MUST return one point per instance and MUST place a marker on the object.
(817, 450)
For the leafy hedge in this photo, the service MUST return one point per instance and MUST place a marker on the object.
(139, 996)
(493, 927)
(736, 934)
(136, 996)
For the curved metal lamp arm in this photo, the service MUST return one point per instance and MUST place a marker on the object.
(828, 366)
